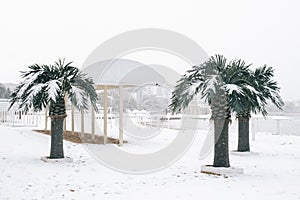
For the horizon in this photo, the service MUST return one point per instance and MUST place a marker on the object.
(285, 100)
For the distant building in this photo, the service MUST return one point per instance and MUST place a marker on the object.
(197, 107)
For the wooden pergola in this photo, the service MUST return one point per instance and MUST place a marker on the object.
(115, 74)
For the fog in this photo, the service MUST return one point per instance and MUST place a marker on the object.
(260, 32)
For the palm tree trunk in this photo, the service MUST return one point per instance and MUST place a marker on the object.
(57, 113)
(57, 149)
(243, 141)
(221, 154)
(221, 116)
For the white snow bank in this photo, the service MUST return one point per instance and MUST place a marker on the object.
(273, 173)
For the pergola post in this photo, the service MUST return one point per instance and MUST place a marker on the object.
(253, 129)
(120, 115)
(82, 123)
(46, 118)
(93, 123)
(196, 106)
(65, 119)
(13, 118)
(72, 120)
(105, 116)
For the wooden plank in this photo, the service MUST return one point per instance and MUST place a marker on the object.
(82, 123)
(253, 129)
(120, 115)
(65, 119)
(101, 87)
(105, 115)
(72, 120)
(93, 123)
(46, 117)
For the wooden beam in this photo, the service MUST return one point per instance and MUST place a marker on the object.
(93, 123)
(82, 123)
(196, 105)
(101, 87)
(46, 117)
(105, 115)
(120, 115)
(65, 119)
(72, 120)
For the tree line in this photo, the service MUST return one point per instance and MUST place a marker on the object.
(4, 92)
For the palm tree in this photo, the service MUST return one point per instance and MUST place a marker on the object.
(218, 82)
(255, 98)
(50, 85)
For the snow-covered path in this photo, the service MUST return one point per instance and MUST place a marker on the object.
(272, 173)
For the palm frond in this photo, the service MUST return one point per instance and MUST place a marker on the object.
(187, 87)
(204, 79)
(246, 91)
(47, 84)
(53, 90)
(82, 85)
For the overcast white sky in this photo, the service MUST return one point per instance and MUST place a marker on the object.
(260, 32)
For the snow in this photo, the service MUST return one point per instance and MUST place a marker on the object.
(37, 88)
(212, 82)
(252, 89)
(279, 117)
(230, 88)
(273, 172)
(79, 96)
(52, 88)
(27, 82)
(34, 91)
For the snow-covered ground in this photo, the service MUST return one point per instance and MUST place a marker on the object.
(272, 172)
